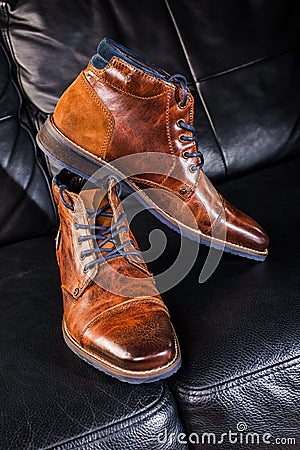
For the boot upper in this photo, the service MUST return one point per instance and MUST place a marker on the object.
(125, 110)
(111, 308)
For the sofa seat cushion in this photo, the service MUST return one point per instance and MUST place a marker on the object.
(49, 397)
(240, 330)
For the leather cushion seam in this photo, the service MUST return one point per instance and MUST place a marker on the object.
(126, 422)
(244, 65)
(240, 381)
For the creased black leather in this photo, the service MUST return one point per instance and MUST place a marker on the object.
(239, 331)
(244, 64)
(49, 397)
(26, 206)
(219, 37)
(263, 101)
(46, 30)
(244, 58)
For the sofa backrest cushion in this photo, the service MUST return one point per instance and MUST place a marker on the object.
(241, 60)
(245, 59)
(26, 206)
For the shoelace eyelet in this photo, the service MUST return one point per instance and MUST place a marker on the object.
(193, 168)
(102, 234)
(182, 105)
(185, 154)
(183, 190)
(179, 80)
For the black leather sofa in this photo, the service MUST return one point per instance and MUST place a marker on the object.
(239, 331)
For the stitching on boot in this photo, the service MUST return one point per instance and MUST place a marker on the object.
(107, 113)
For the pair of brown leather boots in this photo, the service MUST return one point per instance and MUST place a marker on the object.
(129, 125)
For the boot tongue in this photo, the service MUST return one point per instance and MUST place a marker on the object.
(93, 200)
(108, 48)
(125, 235)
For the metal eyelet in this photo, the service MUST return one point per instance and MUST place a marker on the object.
(193, 168)
(82, 256)
(181, 106)
(85, 269)
(185, 154)
(76, 292)
(181, 138)
(178, 122)
(183, 190)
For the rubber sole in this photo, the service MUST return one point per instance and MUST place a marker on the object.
(75, 158)
(128, 376)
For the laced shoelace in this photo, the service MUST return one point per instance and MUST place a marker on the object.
(180, 80)
(102, 234)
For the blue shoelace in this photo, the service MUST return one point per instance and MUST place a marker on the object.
(180, 80)
(102, 234)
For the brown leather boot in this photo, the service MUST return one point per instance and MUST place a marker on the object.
(121, 105)
(114, 317)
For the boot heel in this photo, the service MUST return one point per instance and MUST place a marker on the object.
(64, 151)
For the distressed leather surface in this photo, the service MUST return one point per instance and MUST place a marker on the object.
(113, 311)
(126, 112)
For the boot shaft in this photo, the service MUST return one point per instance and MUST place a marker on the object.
(123, 108)
(134, 120)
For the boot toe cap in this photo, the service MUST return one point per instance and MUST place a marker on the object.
(242, 230)
(250, 235)
(135, 339)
